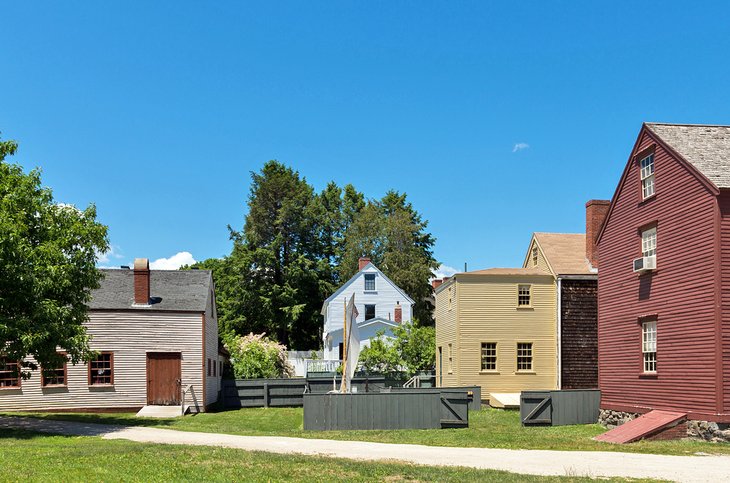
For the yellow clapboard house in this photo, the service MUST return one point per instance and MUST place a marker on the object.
(496, 329)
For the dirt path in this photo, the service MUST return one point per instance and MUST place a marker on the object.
(534, 462)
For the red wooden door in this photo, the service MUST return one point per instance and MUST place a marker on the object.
(163, 378)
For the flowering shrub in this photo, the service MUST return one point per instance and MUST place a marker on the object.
(256, 356)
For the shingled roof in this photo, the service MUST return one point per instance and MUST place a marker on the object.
(565, 252)
(705, 147)
(506, 271)
(174, 290)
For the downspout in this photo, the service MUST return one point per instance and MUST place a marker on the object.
(559, 318)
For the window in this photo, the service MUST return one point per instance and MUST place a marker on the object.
(489, 356)
(648, 243)
(370, 282)
(220, 368)
(54, 376)
(9, 374)
(101, 370)
(209, 369)
(451, 359)
(648, 345)
(647, 176)
(523, 295)
(214, 367)
(369, 312)
(524, 356)
(534, 256)
(451, 297)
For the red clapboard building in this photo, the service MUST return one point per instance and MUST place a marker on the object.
(664, 282)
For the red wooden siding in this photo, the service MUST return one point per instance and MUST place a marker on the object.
(724, 205)
(681, 292)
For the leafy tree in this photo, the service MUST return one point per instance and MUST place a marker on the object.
(47, 269)
(393, 234)
(412, 349)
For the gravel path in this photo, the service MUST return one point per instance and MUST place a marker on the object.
(534, 462)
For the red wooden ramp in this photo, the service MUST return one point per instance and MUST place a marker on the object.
(641, 427)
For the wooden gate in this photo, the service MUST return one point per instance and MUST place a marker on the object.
(163, 378)
(454, 409)
(536, 408)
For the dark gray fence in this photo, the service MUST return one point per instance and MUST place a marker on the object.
(250, 393)
(256, 393)
(412, 409)
(559, 408)
(474, 393)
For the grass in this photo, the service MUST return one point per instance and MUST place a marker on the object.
(488, 428)
(26, 456)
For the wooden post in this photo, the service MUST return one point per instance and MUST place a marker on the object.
(266, 394)
(344, 347)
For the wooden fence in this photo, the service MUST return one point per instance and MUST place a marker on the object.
(413, 409)
(250, 393)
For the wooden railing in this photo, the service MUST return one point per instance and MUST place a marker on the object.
(186, 390)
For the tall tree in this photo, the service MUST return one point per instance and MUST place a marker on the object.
(47, 269)
(274, 259)
(394, 235)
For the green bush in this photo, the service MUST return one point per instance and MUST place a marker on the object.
(413, 349)
(255, 356)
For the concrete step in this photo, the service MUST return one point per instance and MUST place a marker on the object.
(160, 412)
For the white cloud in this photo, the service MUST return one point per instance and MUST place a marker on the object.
(520, 147)
(106, 257)
(444, 271)
(174, 262)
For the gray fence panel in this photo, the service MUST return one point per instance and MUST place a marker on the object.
(473, 392)
(396, 410)
(573, 406)
(263, 392)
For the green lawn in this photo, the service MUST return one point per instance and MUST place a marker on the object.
(489, 428)
(26, 456)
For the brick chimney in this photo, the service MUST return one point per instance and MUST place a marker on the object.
(363, 261)
(596, 211)
(436, 283)
(398, 313)
(141, 281)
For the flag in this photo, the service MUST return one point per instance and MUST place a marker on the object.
(352, 344)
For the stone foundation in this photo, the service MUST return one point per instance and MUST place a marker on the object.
(611, 419)
(704, 430)
(709, 431)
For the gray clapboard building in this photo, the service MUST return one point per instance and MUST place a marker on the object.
(156, 333)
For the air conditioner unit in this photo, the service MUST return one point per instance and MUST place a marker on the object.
(644, 264)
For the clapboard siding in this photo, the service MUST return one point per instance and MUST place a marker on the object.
(579, 334)
(681, 292)
(446, 333)
(485, 310)
(724, 208)
(212, 383)
(129, 335)
(385, 297)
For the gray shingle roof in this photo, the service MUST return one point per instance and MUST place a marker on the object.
(706, 147)
(185, 290)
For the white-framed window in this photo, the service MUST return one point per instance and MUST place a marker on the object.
(534, 256)
(452, 294)
(647, 176)
(648, 242)
(489, 356)
(370, 282)
(524, 356)
(648, 345)
(523, 295)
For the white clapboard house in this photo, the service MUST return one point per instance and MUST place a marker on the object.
(156, 334)
(381, 305)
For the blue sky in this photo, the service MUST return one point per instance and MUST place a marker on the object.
(497, 119)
